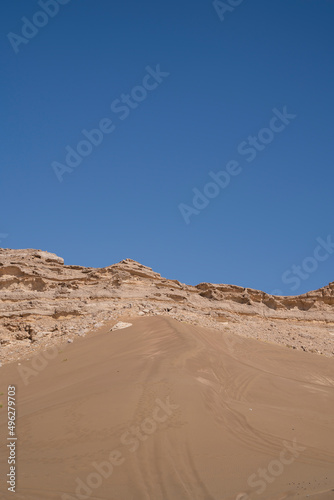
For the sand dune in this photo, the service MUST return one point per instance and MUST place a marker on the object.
(164, 410)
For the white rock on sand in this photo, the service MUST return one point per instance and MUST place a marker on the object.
(120, 325)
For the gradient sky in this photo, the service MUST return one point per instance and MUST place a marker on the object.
(226, 75)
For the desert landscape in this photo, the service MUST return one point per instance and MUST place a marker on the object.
(129, 386)
(166, 250)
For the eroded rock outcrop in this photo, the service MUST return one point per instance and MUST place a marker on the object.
(43, 301)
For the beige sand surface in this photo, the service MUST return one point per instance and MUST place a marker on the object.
(165, 410)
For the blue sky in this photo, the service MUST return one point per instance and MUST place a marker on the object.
(199, 85)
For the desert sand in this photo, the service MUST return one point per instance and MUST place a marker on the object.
(166, 410)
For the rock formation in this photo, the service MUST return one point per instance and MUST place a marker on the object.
(44, 302)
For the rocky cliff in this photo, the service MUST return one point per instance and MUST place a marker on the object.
(43, 302)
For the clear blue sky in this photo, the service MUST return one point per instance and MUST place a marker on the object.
(222, 79)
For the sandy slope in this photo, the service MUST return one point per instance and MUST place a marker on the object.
(169, 411)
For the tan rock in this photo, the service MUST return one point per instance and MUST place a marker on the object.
(38, 293)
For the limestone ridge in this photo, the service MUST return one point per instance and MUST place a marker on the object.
(43, 301)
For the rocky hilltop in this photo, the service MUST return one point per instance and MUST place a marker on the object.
(44, 302)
